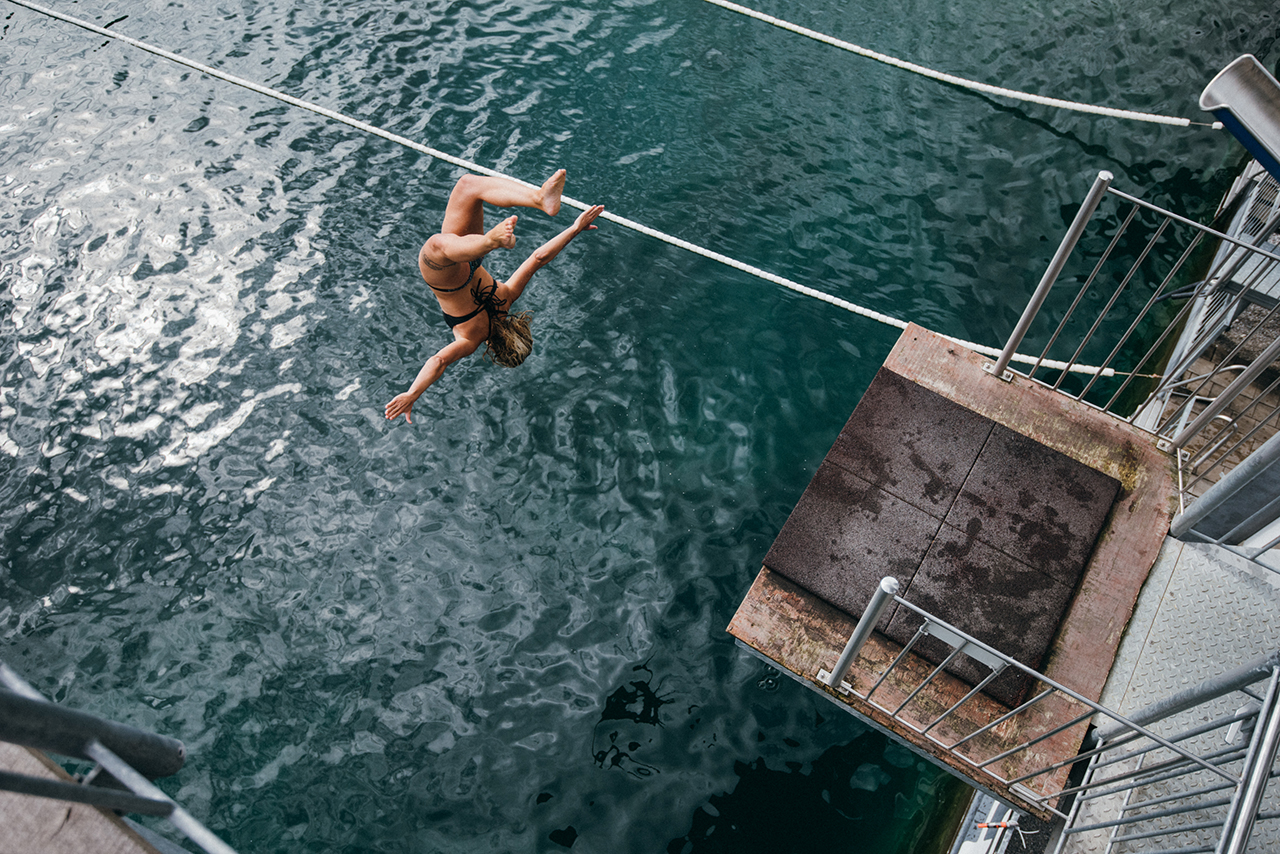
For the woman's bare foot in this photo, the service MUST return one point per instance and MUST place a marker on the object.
(552, 190)
(504, 233)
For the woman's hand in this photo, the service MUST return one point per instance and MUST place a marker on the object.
(459, 348)
(584, 220)
(401, 404)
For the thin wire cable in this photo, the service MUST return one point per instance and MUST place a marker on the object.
(960, 81)
(993, 352)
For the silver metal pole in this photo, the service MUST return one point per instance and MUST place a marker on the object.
(1230, 483)
(126, 775)
(141, 786)
(880, 600)
(1091, 202)
(48, 726)
(110, 799)
(1244, 810)
(1228, 394)
(1233, 680)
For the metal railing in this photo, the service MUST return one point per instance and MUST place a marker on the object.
(1160, 293)
(1175, 783)
(1134, 796)
(1132, 338)
(127, 755)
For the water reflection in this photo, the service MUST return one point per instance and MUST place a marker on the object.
(378, 638)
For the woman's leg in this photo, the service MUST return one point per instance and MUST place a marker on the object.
(465, 212)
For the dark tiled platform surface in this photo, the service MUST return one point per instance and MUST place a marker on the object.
(983, 527)
(934, 442)
(846, 534)
(993, 597)
(1034, 504)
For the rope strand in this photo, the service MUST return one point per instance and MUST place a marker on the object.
(960, 81)
(475, 167)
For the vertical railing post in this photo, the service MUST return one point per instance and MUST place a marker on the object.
(1243, 812)
(880, 600)
(1069, 241)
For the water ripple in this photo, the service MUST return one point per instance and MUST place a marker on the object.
(504, 622)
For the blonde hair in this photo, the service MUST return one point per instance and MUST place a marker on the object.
(510, 341)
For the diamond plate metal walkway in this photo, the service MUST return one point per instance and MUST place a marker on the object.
(1202, 612)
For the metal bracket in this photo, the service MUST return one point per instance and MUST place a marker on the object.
(825, 675)
(954, 641)
(990, 367)
(1031, 796)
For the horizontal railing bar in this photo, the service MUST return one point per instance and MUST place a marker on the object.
(1262, 423)
(1202, 729)
(1227, 396)
(1080, 757)
(1066, 318)
(1165, 771)
(1141, 316)
(1050, 734)
(1203, 340)
(1199, 226)
(1176, 766)
(1217, 787)
(928, 679)
(1233, 680)
(1115, 295)
(1177, 796)
(1138, 819)
(1201, 538)
(1064, 689)
(1265, 516)
(976, 689)
(901, 655)
(110, 799)
(1255, 552)
(1028, 704)
(1169, 831)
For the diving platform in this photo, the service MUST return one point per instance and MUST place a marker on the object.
(1019, 516)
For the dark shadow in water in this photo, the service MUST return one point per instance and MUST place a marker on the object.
(620, 732)
(565, 837)
(1143, 175)
(868, 795)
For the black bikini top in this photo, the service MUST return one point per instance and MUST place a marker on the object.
(474, 266)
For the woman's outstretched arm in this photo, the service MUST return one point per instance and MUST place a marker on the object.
(542, 256)
(402, 404)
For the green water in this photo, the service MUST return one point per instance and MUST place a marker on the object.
(502, 628)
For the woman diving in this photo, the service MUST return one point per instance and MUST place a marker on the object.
(475, 304)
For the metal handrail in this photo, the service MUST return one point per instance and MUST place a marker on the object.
(1173, 757)
(29, 719)
(872, 616)
(1242, 263)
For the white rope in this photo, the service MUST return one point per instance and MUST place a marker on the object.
(960, 81)
(475, 167)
